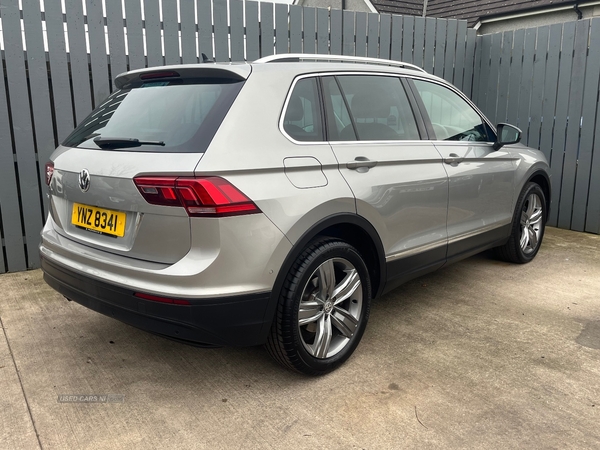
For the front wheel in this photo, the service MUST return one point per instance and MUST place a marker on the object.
(323, 309)
(528, 226)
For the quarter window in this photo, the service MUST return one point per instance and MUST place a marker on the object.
(302, 120)
(452, 118)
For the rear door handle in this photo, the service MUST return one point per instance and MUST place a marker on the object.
(453, 159)
(361, 164)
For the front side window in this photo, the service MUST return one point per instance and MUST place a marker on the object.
(166, 116)
(379, 109)
(302, 119)
(452, 118)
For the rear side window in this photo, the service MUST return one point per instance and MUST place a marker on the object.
(379, 109)
(167, 116)
(302, 120)
(339, 122)
(452, 118)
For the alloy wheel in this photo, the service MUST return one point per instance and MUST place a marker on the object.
(330, 308)
(531, 223)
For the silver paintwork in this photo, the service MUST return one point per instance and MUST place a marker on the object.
(112, 188)
(304, 172)
(228, 256)
(481, 186)
(330, 308)
(405, 196)
(254, 161)
(531, 224)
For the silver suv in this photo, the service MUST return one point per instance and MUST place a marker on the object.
(269, 203)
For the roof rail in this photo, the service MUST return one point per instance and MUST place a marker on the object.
(297, 57)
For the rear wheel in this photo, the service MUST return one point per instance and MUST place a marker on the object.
(528, 226)
(323, 309)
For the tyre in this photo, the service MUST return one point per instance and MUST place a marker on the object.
(528, 226)
(323, 309)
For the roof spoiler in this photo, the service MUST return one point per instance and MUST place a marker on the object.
(134, 78)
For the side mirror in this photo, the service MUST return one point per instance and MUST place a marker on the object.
(507, 134)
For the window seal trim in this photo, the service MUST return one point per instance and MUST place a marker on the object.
(407, 77)
(348, 110)
(285, 106)
(321, 96)
(415, 107)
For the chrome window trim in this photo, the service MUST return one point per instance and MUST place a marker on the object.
(478, 231)
(284, 109)
(386, 74)
(415, 251)
(423, 248)
(327, 74)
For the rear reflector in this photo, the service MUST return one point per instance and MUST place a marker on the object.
(155, 298)
(49, 171)
(201, 197)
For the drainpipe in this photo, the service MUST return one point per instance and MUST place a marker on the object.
(578, 11)
(424, 8)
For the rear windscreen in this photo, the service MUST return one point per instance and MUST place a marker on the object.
(167, 116)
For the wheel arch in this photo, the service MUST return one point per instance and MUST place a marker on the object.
(542, 179)
(350, 228)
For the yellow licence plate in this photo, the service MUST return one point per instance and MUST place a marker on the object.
(99, 220)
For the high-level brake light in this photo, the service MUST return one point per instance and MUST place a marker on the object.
(163, 74)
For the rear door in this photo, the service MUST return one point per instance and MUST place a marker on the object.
(481, 178)
(398, 180)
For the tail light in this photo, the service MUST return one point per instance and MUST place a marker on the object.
(49, 171)
(201, 197)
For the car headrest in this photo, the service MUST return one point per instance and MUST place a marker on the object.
(371, 104)
(295, 110)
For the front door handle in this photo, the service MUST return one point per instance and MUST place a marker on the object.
(453, 159)
(361, 164)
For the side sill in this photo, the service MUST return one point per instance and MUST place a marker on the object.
(476, 244)
(400, 271)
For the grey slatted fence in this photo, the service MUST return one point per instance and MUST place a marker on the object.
(71, 58)
(546, 81)
(540, 79)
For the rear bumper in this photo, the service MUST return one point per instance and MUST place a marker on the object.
(221, 321)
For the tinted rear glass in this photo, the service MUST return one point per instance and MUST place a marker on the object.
(302, 120)
(182, 115)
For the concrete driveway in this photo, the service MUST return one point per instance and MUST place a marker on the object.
(481, 354)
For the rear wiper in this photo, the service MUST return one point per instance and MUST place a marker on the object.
(115, 142)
